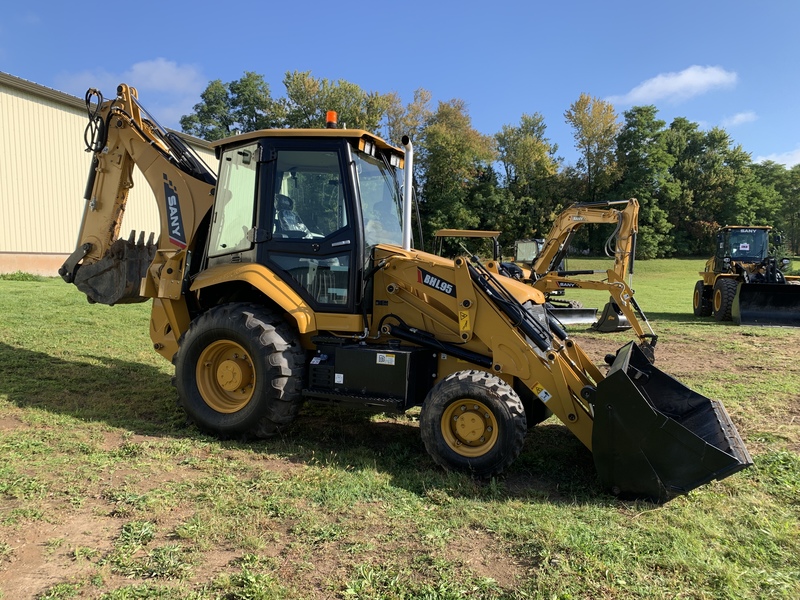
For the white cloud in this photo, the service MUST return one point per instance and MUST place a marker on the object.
(676, 87)
(739, 118)
(789, 159)
(167, 90)
(166, 76)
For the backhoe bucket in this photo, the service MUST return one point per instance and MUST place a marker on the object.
(117, 277)
(655, 438)
(612, 319)
(772, 304)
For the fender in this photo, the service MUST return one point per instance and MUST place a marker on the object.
(267, 282)
(271, 285)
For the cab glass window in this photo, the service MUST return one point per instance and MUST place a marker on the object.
(325, 280)
(309, 197)
(381, 201)
(234, 209)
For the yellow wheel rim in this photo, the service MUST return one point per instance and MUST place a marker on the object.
(696, 299)
(225, 376)
(717, 300)
(469, 428)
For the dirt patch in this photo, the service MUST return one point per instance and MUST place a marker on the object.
(43, 554)
(479, 552)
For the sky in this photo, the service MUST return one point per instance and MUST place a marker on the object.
(730, 63)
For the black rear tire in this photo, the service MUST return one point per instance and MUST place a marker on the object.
(701, 301)
(473, 422)
(239, 371)
(724, 291)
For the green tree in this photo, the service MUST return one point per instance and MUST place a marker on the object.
(644, 170)
(529, 165)
(684, 143)
(790, 212)
(595, 128)
(242, 105)
(717, 186)
(786, 184)
(308, 99)
(247, 105)
(407, 120)
(452, 158)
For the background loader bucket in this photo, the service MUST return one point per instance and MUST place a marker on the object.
(775, 304)
(655, 438)
(574, 316)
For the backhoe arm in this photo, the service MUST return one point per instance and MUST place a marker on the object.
(572, 218)
(110, 269)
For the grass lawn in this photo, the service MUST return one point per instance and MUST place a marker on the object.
(105, 492)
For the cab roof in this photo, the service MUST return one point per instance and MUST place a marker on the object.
(731, 227)
(352, 134)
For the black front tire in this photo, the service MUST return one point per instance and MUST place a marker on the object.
(473, 422)
(239, 371)
(724, 291)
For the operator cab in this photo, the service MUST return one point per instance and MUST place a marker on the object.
(310, 205)
(743, 244)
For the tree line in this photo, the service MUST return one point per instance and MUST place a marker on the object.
(688, 181)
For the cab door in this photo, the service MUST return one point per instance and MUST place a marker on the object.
(309, 217)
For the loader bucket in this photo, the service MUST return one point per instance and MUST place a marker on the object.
(612, 319)
(655, 438)
(773, 304)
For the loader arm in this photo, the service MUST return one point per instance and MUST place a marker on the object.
(512, 336)
(110, 269)
(650, 435)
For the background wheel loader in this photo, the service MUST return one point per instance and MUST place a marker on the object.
(744, 282)
(263, 303)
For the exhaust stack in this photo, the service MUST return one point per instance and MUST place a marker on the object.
(407, 191)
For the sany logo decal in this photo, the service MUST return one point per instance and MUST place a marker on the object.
(174, 220)
(433, 281)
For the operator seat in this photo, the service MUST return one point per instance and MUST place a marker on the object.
(288, 222)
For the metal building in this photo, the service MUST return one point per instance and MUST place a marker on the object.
(43, 170)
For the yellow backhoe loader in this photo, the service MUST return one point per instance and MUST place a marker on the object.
(744, 283)
(290, 276)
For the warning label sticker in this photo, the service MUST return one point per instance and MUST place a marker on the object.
(542, 393)
(385, 359)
